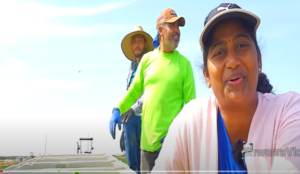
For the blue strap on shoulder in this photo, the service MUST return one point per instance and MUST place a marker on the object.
(226, 161)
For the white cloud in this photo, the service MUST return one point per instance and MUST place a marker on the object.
(19, 18)
(65, 31)
(45, 85)
(14, 89)
(13, 66)
(5, 40)
(22, 95)
(18, 86)
(18, 10)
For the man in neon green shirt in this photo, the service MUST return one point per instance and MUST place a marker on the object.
(166, 79)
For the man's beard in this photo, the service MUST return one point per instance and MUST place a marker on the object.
(170, 42)
(139, 55)
(171, 45)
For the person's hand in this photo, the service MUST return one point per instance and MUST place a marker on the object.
(122, 142)
(126, 116)
(115, 118)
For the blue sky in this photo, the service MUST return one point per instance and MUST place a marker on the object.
(45, 43)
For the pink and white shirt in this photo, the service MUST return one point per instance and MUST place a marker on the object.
(191, 145)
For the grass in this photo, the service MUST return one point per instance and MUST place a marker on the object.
(4, 165)
(9, 157)
(122, 158)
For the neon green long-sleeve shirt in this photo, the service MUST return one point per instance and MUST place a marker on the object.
(167, 81)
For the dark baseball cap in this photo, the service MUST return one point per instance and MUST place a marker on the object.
(225, 11)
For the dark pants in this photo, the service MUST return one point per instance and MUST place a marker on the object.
(148, 161)
(132, 136)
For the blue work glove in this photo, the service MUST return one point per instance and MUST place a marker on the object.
(163, 139)
(156, 41)
(115, 118)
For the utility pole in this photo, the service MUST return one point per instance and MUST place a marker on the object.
(45, 144)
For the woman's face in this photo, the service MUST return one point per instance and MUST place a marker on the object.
(233, 63)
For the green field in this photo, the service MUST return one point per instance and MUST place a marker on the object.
(3, 165)
(122, 158)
